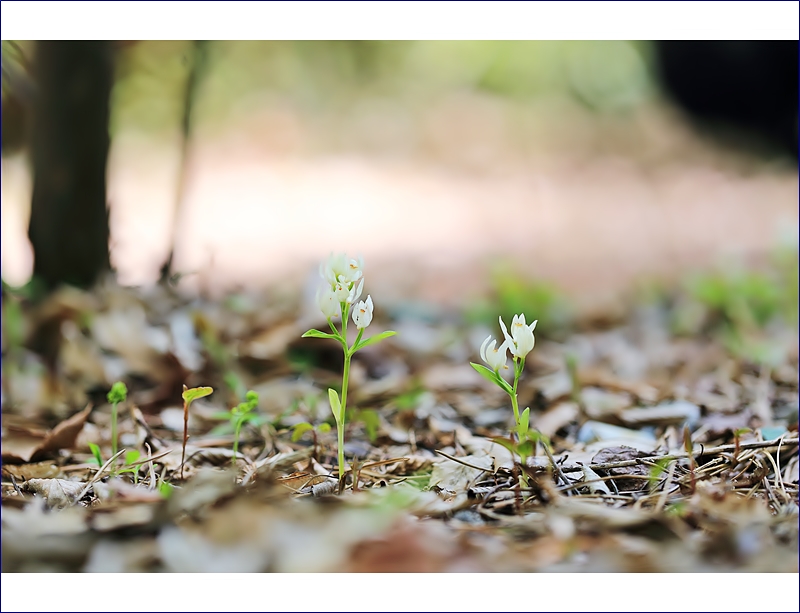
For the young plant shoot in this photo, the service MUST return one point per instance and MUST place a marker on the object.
(189, 396)
(117, 395)
(520, 343)
(344, 283)
(241, 414)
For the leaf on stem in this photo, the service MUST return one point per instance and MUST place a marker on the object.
(507, 443)
(98, 457)
(373, 339)
(524, 422)
(492, 376)
(336, 405)
(318, 334)
(190, 395)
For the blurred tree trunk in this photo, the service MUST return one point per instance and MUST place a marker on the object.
(69, 218)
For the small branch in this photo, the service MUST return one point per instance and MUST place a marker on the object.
(449, 457)
(787, 442)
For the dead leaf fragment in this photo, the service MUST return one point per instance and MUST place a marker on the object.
(57, 493)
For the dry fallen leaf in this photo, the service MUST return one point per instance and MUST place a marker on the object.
(57, 493)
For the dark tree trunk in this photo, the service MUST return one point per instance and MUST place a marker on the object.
(69, 217)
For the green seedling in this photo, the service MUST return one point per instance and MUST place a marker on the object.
(189, 396)
(97, 456)
(117, 395)
(343, 286)
(131, 457)
(300, 429)
(165, 489)
(240, 415)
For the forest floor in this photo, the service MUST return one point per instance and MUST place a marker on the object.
(668, 431)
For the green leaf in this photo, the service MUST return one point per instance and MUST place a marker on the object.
(190, 395)
(318, 334)
(524, 421)
(165, 489)
(492, 376)
(373, 339)
(538, 437)
(507, 443)
(336, 406)
(131, 456)
(324, 427)
(118, 393)
(98, 457)
(371, 423)
(525, 449)
(300, 429)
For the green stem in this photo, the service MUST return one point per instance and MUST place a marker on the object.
(523, 458)
(238, 429)
(114, 428)
(514, 401)
(345, 382)
(335, 331)
(340, 437)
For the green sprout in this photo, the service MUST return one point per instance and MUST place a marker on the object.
(189, 396)
(118, 394)
(240, 415)
(131, 466)
(344, 284)
(97, 456)
(300, 429)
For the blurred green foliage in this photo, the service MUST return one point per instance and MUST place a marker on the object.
(316, 76)
(512, 293)
(749, 311)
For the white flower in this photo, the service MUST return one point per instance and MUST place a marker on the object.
(362, 314)
(495, 358)
(338, 269)
(327, 302)
(355, 293)
(341, 290)
(355, 269)
(521, 339)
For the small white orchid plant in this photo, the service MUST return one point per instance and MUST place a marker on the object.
(344, 283)
(519, 342)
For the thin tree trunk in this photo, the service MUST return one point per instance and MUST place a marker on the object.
(69, 217)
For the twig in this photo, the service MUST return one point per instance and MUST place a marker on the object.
(449, 457)
(681, 456)
(557, 468)
(99, 474)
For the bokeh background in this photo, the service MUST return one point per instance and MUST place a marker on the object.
(586, 165)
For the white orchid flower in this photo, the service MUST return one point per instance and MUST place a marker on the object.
(339, 269)
(355, 269)
(362, 314)
(341, 290)
(521, 339)
(495, 358)
(333, 267)
(327, 301)
(355, 293)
